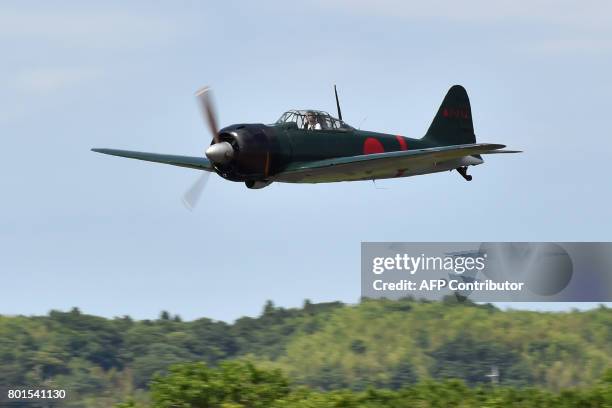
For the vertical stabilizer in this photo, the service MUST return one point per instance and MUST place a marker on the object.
(453, 125)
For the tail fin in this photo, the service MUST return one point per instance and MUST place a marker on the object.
(452, 125)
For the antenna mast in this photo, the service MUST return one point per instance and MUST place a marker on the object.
(337, 103)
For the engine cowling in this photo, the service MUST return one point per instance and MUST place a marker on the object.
(254, 153)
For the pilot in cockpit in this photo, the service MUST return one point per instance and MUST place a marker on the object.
(311, 121)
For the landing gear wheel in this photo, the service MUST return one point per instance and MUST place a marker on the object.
(463, 172)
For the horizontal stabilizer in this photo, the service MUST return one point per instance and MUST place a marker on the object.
(199, 163)
(502, 151)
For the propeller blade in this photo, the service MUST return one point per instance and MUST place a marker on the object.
(192, 196)
(208, 111)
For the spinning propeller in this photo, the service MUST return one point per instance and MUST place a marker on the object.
(218, 152)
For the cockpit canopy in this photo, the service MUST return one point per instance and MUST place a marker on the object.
(323, 118)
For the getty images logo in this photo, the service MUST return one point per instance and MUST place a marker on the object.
(413, 264)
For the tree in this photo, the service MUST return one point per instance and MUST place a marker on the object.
(269, 307)
(471, 359)
(403, 375)
(238, 383)
(157, 360)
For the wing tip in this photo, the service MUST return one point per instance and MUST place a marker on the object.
(111, 152)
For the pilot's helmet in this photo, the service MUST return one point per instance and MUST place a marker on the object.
(310, 114)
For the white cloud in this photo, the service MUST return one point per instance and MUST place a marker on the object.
(586, 14)
(13, 111)
(86, 28)
(48, 80)
(574, 45)
(49, 49)
(26, 89)
(556, 26)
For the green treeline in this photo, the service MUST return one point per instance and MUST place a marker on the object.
(237, 384)
(329, 349)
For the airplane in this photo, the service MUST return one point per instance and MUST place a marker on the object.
(311, 146)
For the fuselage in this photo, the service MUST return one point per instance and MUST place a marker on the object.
(266, 150)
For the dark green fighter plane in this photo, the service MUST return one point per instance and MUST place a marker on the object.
(310, 146)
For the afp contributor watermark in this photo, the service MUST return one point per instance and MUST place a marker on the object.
(451, 264)
(441, 284)
(489, 271)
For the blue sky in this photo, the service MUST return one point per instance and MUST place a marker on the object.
(110, 235)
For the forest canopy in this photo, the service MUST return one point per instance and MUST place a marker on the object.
(325, 347)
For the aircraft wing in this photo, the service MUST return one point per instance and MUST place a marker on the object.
(199, 163)
(380, 165)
